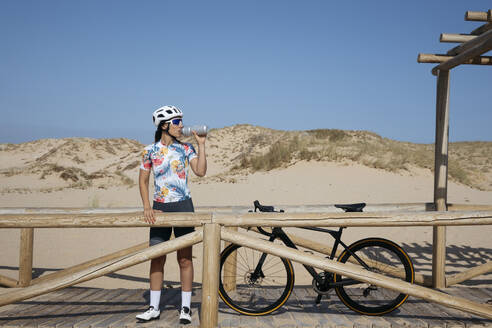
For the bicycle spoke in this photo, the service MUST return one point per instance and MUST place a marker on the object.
(382, 257)
(256, 294)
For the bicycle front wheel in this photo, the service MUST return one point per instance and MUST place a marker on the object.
(261, 283)
(381, 256)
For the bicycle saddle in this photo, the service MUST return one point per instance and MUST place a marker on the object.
(351, 207)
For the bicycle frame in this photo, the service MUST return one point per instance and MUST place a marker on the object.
(277, 232)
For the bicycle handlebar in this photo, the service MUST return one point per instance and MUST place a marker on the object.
(264, 208)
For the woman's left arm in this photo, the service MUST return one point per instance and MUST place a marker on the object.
(199, 163)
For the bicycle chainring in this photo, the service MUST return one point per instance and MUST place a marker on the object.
(326, 277)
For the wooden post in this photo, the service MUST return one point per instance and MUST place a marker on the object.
(209, 315)
(230, 266)
(25, 256)
(440, 178)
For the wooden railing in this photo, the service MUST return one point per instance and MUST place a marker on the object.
(217, 227)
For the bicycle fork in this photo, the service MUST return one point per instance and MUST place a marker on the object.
(258, 273)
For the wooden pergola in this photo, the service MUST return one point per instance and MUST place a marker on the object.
(469, 52)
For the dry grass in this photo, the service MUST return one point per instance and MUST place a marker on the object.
(243, 149)
(470, 163)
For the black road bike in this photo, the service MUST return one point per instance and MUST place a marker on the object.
(264, 282)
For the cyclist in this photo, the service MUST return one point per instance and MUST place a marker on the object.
(169, 160)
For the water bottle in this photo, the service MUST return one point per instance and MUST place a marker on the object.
(201, 130)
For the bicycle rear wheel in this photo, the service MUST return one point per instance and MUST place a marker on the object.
(383, 257)
(255, 294)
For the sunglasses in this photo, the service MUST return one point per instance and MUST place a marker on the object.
(176, 121)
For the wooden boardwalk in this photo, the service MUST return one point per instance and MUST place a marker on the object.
(97, 308)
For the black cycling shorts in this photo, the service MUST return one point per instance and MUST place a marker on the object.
(162, 234)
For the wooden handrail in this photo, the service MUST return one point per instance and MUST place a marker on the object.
(364, 219)
(359, 219)
(102, 220)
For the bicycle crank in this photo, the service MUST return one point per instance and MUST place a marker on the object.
(322, 288)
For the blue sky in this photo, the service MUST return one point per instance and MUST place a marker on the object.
(99, 68)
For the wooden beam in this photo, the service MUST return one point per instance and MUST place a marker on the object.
(357, 219)
(108, 220)
(469, 274)
(441, 141)
(85, 265)
(449, 37)
(299, 219)
(478, 16)
(468, 45)
(8, 282)
(326, 250)
(468, 207)
(431, 58)
(358, 273)
(482, 29)
(470, 53)
(441, 178)
(101, 269)
(210, 276)
(25, 256)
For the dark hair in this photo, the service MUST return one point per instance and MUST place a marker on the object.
(158, 133)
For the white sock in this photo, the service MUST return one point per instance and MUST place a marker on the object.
(186, 299)
(155, 298)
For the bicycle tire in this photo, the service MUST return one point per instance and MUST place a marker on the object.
(382, 256)
(260, 297)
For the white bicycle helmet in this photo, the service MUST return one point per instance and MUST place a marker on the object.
(166, 113)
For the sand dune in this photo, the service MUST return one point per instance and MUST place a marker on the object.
(83, 172)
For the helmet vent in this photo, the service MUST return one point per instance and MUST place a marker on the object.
(169, 111)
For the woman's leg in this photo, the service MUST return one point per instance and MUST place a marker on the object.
(186, 275)
(157, 272)
(186, 268)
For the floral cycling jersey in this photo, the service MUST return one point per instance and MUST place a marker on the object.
(170, 166)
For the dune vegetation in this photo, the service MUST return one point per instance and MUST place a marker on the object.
(233, 152)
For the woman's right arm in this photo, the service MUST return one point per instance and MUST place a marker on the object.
(143, 183)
